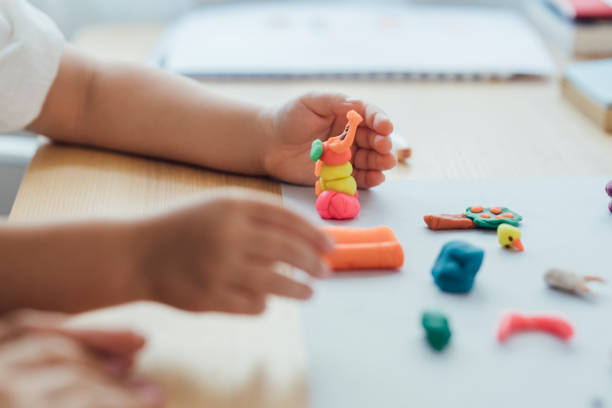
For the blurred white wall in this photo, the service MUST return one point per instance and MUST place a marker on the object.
(70, 15)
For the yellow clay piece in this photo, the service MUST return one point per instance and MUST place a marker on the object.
(347, 185)
(329, 173)
(509, 237)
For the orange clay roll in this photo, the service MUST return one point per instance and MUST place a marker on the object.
(377, 255)
(352, 235)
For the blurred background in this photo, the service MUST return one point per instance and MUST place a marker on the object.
(71, 15)
(495, 43)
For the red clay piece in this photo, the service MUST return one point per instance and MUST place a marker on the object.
(477, 209)
(485, 216)
(512, 322)
(338, 206)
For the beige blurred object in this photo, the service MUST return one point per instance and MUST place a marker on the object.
(600, 114)
(404, 154)
(567, 281)
(461, 130)
(400, 148)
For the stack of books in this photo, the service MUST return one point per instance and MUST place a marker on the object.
(576, 28)
(588, 85)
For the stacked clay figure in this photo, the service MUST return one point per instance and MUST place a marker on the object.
(336, 188)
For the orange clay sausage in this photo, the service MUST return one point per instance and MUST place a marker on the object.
(449, 221)
(352, 235)
(379, 255)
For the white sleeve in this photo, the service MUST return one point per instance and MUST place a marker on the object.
(30, 50)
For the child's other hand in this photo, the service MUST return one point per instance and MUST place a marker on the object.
(45, 365)
(220, 255)
(320, 116)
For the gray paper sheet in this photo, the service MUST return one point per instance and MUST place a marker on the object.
(363, 337)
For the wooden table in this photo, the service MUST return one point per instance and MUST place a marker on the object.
(456, 130)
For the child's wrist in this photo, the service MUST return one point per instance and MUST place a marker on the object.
(266, 121)
(134, 238)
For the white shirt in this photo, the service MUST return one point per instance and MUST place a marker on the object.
(30, 49)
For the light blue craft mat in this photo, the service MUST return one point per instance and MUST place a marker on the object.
(363, 337)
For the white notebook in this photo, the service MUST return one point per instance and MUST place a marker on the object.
(352, 40)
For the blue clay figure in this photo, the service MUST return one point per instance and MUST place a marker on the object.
(456, 267)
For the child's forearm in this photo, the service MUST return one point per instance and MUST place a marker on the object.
(66, 267)
(150, 112)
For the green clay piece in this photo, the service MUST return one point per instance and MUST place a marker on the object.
(436, 328)
(316, 150)
(485, 218)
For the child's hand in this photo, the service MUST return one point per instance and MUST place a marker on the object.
(117, 349)
(43, 365)
(220, 255)
(320, 116)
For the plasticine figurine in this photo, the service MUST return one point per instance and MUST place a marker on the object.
(509, 237)
(512, 322)
(568, 281)
(492, 217)
(437, 329)
(336, 188)
(474, 217)
(456, 266)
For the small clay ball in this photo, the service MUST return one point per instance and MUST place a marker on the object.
(609, 188)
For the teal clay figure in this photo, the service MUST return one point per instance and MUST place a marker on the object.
(456, 267)
(492, 217)
(437, 330)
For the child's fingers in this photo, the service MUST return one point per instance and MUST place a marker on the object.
(368, 178)
(366, 138)
(275, 246)
(332, 104)
(263, 279)
(291, 222)
(377, 120)
(144, 394)
(236, 299)
(365, 159)
(116, 342)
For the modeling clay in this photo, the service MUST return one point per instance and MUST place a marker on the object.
(448, 222)
(512, 323)
(345, 185)
(404, 154)
(355, 235)
(437, 330)
(492, 217)
(569, 281)
(509, 237)
(364, 248)
(336, 187)
(339, 206)
(609, 192)
(476, 216)
(456, 266)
